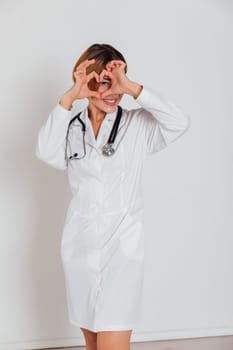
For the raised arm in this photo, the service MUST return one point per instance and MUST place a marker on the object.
(161, 121)
(50, 146)
(52, 135)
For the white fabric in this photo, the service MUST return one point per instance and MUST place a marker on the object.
(102, 246)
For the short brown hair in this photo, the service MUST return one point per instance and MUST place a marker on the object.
(103, 53)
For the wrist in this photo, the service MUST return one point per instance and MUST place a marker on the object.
(134, 89)
(66, 101)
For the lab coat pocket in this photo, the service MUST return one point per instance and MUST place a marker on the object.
(132, 241)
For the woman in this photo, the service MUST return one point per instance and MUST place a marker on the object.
(102, 246)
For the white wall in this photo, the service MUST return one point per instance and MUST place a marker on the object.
(182, 47)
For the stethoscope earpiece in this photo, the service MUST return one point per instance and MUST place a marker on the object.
(75, 155)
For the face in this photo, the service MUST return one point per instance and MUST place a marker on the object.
(110, 102)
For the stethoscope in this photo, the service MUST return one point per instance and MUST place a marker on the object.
(107, 149)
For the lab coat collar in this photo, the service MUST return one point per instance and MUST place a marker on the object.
(110, 117)
(90, 137)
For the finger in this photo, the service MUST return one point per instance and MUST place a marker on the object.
(121, 65)
(85, 64)
(119, 62)
(76, 74)
(93, 75)
(114, 63)
(94, 94)
(79, 76)
(79, 73)
(110, 65)
(105, 73)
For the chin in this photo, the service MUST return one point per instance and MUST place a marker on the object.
(109, 109)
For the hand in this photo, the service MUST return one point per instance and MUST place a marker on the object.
(115, 70)
(80, 88)
(121, 84)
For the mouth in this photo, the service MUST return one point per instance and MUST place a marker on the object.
(110, 102)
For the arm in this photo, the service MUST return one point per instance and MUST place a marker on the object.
(161, 121)
(50, 146)
(52, 135)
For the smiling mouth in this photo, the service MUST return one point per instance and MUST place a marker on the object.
(110, 102)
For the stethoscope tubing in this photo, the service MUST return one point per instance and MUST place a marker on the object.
(107, 146)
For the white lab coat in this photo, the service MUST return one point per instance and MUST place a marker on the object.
(102, 247)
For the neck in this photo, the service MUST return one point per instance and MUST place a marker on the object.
(95, 114)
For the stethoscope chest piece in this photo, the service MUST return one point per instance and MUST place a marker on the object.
(108, 150)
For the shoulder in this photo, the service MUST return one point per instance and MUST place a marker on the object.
(142, 114)
(138, 116)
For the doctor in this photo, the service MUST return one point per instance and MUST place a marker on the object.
(102, 246)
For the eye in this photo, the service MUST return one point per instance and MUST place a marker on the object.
(106, 83)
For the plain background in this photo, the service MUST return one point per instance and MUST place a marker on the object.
(183, 48)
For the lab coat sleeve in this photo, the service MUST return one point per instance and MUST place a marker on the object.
(161, 121)
(50, 146)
